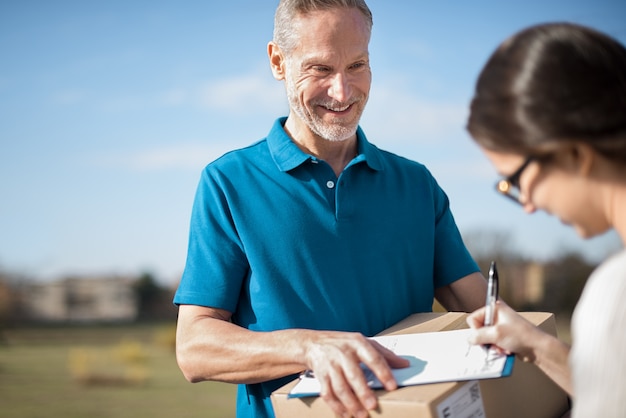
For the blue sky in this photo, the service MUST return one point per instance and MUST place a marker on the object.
(109, 111)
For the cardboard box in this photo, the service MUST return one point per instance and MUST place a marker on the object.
(526, 393)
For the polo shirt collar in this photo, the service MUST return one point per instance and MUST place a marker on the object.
(288, 156)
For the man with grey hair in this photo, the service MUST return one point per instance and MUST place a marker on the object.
(309, 241)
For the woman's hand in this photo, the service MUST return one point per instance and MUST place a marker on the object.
(511, 333)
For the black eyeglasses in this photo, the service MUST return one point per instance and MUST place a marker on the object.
(509, 186)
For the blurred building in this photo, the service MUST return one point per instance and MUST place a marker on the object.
(105, 299)
(523, 284)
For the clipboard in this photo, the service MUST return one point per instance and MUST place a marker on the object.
(435, 357)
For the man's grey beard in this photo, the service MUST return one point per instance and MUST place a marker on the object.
(333, 132)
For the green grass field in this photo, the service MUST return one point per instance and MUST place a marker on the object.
(36, 378)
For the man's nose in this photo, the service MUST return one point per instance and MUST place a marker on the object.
(340, 89)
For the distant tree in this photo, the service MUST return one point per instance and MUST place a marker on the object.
(564, 276)
(491, 244)
(487, 245)
(5, 305)
(155, 301)
(12, 307)
(146, 289)
(565, 280)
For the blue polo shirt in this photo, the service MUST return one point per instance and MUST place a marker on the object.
(280, 241)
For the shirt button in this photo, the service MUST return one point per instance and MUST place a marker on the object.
(330, 184)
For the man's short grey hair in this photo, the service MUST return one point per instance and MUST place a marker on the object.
(288, 10)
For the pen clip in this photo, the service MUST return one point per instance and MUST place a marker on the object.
(492, 295)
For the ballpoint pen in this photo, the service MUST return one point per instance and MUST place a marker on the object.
(492, 296)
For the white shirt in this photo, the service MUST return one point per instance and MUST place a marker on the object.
(598, 356)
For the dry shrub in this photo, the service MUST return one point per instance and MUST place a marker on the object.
(165, 336)
(123, 364)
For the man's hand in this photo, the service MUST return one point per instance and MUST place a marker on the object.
(336, 357)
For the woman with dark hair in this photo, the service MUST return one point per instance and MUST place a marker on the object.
(549, 112)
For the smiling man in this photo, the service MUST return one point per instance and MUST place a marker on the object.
(327, 78)
(309, 241)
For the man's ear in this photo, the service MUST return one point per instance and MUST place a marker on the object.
(277, 61)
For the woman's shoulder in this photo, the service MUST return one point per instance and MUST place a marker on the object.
(605, 290)
(613, 269)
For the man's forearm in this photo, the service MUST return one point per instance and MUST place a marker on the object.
(214, 349)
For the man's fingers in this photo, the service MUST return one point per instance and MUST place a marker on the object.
(358, 379)
(348, 395)
(339, 365)
(327, 393)
(380, 363)
(393, 360)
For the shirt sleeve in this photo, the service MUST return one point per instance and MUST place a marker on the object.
(452, 259)
(216, 263)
